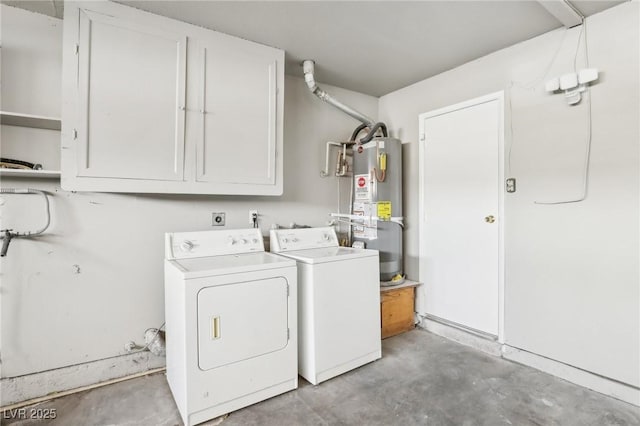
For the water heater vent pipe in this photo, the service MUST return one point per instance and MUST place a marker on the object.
(308, 67)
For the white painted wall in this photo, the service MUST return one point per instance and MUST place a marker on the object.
(55, 316)
(572, 271)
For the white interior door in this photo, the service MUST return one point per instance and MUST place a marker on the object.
(460, 236)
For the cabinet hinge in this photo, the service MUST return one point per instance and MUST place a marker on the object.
(75, 134)
(77, 48)
(287, 290)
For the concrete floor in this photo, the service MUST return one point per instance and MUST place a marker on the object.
(422, 379)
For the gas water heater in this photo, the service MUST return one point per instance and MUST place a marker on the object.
(376, 205)
(377, 197)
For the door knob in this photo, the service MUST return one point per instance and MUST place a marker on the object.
(490, 219)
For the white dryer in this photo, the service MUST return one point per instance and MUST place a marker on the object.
(231, 322)
(338, 302)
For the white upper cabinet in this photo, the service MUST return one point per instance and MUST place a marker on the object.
(238, 100)
(155, 105)
(131, 90)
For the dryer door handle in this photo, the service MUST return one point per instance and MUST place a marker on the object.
(215, 327)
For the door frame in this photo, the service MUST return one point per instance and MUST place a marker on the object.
(499, 97)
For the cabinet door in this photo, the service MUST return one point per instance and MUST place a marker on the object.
(126, 124)
(239, 109)
(131, 89)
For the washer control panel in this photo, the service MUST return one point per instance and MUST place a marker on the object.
(184, 245)
(302, 238)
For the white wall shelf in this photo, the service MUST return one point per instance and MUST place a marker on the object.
(44, 174)
(29, 120)
(35, 122)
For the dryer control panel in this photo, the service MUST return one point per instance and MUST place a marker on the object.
(186, 245)
(302, 238)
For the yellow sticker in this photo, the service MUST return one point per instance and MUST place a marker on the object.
(384, 210)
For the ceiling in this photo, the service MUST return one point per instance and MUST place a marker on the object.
(373, 47)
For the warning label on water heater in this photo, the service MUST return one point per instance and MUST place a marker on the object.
(362, 187)
(384, 210)
(367, 226)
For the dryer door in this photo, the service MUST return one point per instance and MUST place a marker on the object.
(243, 320)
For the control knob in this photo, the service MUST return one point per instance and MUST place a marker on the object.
(187, 245)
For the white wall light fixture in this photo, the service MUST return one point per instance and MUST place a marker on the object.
(572, 84)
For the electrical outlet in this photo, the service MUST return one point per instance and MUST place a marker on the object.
(511, 185)
(253, 214)
(217, 219)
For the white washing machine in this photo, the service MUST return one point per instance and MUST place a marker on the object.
(338, 302)
(231, 322)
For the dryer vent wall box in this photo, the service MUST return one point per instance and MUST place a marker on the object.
(219, 357)
(339, 302)
(132, 81)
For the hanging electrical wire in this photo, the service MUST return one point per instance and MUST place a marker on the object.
(587, 155)
(575, 56)
(532, 85)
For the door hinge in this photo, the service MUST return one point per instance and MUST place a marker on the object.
(77, 49)
(422, 137)
(287, 290)
(75, 134)
(288, 333)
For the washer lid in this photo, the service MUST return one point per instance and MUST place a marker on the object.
(329, 254)
(230, 264)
